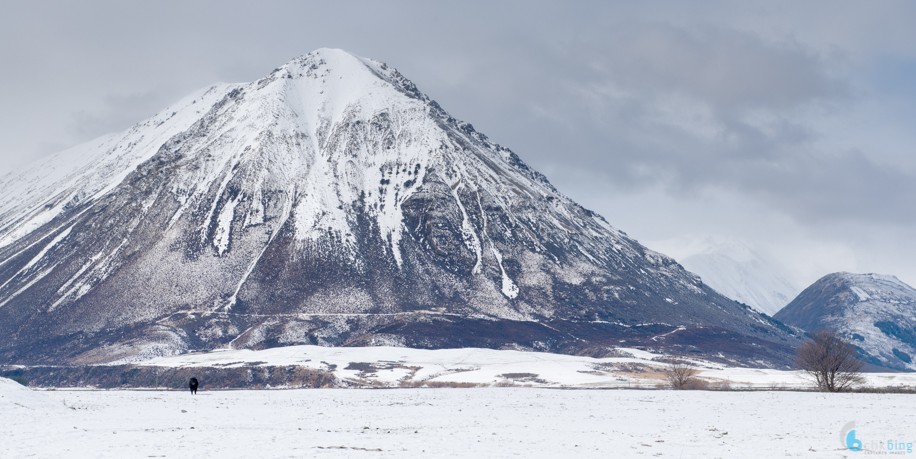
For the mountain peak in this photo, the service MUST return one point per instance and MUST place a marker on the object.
(331, 202)
(330, 80)
(331, 53)
(736, 269)
(338, 61)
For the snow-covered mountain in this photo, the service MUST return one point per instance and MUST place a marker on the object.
(877, 313)
(735, 269)
(330, 202)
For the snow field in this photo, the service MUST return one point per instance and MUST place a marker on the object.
(482, 422)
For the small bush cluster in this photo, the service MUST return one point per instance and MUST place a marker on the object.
(682, 376)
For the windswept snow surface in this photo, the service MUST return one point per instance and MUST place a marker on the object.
(494, 422)
(19, 402)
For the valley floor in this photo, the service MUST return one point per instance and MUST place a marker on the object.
(451, 422)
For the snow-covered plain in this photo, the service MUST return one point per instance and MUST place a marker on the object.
(478, 422)
(386, 366)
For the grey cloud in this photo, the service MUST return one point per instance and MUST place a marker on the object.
(606, 98)
(840, 186)
(747, 106)
(730, 70)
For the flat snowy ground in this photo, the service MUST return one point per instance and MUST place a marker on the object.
(478, 422)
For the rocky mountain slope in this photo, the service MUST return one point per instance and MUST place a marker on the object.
(330, 202)
(876, 313)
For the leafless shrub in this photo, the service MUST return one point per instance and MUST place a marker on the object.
(681, 375)
(831, 361)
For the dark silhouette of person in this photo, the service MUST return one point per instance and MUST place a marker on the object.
(193, 385)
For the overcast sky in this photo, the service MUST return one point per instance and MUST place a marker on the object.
(791, 125)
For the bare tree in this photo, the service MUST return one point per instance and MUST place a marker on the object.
(680, 374)
(832, 361)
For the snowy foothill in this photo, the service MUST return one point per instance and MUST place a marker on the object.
(875, 311)
(473, 422)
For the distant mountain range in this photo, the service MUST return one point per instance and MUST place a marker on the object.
(876, 313)
(331, 202)
(735, 269)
